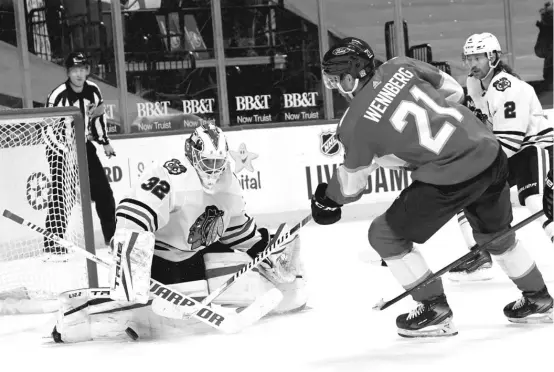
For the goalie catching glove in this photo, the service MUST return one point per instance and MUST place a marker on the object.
(132, 252)
(280, 266)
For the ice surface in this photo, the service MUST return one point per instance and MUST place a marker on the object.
(339, 332)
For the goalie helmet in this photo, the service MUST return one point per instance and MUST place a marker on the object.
(351, 56)
(207, 150)
(485, 43)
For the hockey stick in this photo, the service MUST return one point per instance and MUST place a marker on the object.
(382, 305)
(228, 322)
(177, 312)
(271, 247)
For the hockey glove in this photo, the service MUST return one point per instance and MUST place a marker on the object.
(547, 196)
(277, 267)
(324, 210)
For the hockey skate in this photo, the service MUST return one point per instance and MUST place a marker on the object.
(432, 318)
(476, 269)
(531, 308)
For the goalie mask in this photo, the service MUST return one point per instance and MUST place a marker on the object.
(481, 51)
(350, 56)
(207, 149)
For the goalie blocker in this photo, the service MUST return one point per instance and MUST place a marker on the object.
(104, 313)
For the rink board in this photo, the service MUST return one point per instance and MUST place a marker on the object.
(279, 168)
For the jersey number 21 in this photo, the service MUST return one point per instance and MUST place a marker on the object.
(426, 139)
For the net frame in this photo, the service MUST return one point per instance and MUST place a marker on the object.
(84, 192)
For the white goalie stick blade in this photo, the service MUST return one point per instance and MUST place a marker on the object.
(169, 303)
(260, 307)
(228, 323)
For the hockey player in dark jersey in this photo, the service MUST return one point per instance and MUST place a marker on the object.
(407, 113)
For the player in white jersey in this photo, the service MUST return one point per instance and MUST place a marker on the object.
(511, 109)
(194, 233)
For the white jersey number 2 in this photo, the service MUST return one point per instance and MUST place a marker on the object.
(426, 139)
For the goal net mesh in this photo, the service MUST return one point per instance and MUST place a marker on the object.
(40, 182)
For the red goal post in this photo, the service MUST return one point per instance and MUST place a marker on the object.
(44, 179)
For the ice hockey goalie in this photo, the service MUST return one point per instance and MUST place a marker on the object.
(185, 225)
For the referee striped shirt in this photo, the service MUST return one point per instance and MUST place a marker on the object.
(86, 100)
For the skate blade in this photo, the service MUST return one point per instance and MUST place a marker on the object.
(444, 329)
(480, 275)
(58, 258)
(544, 318)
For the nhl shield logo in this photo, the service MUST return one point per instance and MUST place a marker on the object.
(329, 144)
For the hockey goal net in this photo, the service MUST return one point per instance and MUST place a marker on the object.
(44, 180)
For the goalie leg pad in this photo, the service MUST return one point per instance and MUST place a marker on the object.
(78, 319)
(90, 314)
(130, 275)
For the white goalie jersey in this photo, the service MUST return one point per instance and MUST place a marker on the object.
(170, 201)
(513, 112)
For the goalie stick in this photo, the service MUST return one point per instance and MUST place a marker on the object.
(225, 322)
(275, 243)
(382, 305)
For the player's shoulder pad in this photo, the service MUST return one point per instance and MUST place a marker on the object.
(57, 90)
(92, 84)
(166, 169)
(400, 60)
(395, 63)
(503, 82)
(174, 167)
(504, 87)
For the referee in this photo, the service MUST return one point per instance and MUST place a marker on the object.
(79, 92)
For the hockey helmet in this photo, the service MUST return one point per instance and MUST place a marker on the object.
(207, 151)
(76, 59)
(351, 56)
(483, 43)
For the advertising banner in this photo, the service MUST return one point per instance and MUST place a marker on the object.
(253, 109)
(159, 117)
(301, 106)
(278, 168)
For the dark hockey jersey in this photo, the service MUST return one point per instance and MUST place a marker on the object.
(401, 114)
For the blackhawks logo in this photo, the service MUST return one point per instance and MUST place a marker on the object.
(207, 229)
(174, 167)
(329, 143)
(502, 84)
